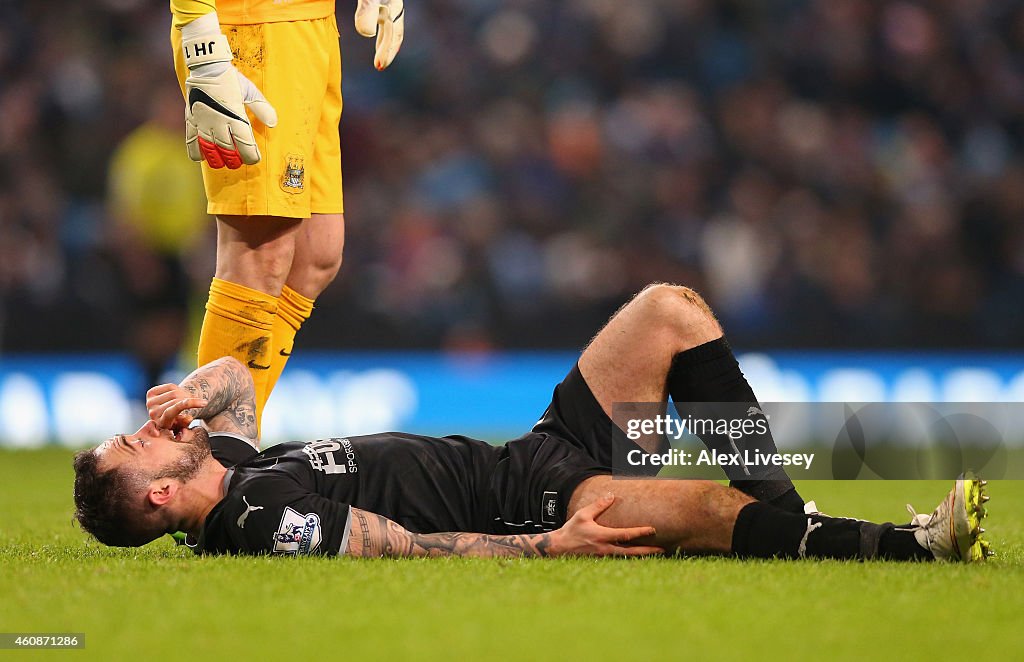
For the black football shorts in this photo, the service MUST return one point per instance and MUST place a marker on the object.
(538, 472)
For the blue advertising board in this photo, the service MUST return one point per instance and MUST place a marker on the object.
(77, 400)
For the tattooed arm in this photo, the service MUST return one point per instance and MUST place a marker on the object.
(373, 535)
(220, 393)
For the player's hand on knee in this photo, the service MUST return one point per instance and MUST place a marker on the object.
(583, 536)
(172, 407)
(217, 128)
(384, 19)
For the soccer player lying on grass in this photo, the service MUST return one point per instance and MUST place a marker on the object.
(547, 493)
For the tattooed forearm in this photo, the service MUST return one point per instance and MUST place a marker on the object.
(231, 398)
(471, 544)
(380, 536)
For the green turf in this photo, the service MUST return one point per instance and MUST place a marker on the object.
(161, 602)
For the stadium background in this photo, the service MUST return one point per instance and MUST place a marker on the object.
(841, 178)
(838, 177)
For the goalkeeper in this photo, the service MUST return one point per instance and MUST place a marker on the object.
(272, 174)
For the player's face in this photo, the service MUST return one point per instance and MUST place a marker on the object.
(152, 448)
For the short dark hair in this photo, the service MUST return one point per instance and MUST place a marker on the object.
(106, 504)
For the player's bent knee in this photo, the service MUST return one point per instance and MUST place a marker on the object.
(673, 298)
(678, 310)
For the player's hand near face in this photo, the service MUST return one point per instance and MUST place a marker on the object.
(172, 407)
(384, 19)
(220, 393)
(217, 128)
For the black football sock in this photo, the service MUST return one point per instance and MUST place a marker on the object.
(899, 543)
(789, 501)
(763, 531)
(709, 373)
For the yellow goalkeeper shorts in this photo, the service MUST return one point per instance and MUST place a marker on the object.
(297, 66)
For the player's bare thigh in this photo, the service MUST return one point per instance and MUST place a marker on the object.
(691, 515)
(629, 360)
(319, 244)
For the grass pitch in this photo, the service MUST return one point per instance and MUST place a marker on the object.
(161, 602)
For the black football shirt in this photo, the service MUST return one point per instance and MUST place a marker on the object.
(295, 498)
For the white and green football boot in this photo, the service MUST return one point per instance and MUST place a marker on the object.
(953, 532)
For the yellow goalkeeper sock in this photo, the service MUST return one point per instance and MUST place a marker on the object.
(292, 310)
(239, 322)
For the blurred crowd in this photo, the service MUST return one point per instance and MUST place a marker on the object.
(838, 173)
